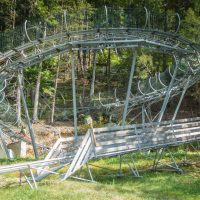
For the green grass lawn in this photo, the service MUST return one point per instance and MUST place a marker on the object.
(153, 185)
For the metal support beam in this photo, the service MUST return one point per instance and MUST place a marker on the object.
(33, 178)
(176, 167)
(158, 156)
(27, 114)
(89, 172)
(147, 115)
(132, 166)
(181, 99)
(74, 96)
(28, 181)
(129, 87)
(167, 96)
(143, 116)
(134, 169)
(84, 179)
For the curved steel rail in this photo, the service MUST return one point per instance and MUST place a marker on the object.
(37, 50)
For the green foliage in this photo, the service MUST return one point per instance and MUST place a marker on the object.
(191, 26)
(47, 76)
(48, 10)
(15, 12)
(145, 66)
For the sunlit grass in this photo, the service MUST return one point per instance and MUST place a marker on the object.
(151, 186)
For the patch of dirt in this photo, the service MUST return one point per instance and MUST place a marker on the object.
(48, 133)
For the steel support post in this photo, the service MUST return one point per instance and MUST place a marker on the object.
(158, 156)
(181, 99)
(4, 144)
(89, 172)
(131, 165)
(147, 115)
(74, 97)
(27, 114)
(176, 167)
(93, 76)
(28, 181)
(33, 178)
(129, 87)
(134, 170)
(166, 100)
(143, 116)
(84, 179)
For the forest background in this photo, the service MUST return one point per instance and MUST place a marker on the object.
(40, 80)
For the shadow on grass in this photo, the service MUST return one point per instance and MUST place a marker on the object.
(153, 185)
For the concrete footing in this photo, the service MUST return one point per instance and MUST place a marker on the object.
(18, 148)
(2, 153)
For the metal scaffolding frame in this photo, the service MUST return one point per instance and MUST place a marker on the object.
(100, 31)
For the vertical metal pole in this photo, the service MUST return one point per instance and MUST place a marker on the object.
(129, 87)
(27, 114)
(4, 144)
(18, 107)
(93, 76)
(181, 99)
(74, 96)
(166, 100)
(143, 116)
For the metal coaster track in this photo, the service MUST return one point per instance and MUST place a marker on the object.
(104, 37)
(112, 32)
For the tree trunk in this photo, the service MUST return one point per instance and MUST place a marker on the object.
(80, 60)
(79, 66)
(55, 90)
(37, 92)
(89, 59)
(13, 14)
(32, 96)
(84, 60)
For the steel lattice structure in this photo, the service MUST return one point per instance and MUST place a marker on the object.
(108, 29)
